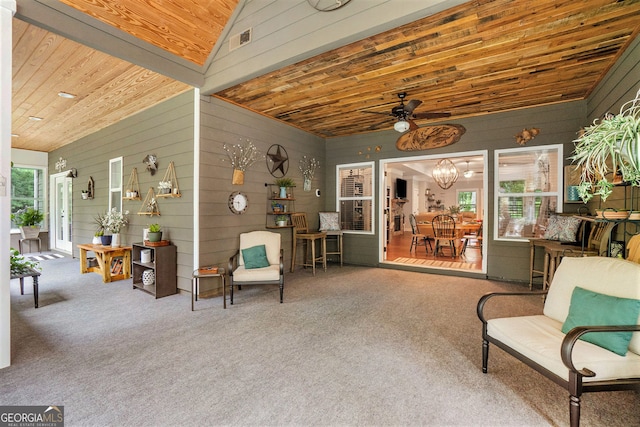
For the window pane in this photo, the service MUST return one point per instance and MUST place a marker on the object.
(528, 188)
(27, 190)
(355, 196)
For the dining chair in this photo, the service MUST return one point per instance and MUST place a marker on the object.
(470, 237)
(444, 230)
(417, 238)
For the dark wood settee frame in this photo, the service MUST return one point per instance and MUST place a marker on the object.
(575, 385)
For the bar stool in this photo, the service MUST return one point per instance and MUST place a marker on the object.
(301, 232)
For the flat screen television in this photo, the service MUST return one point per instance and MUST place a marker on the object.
(401, 188)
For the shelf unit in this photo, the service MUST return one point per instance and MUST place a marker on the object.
(287, 206)
(164, 265)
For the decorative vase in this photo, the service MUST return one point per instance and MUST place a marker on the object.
(96, 240)
(115, 240)
(106, 240)
(145, 234)
(307, 184)
(155, 237)
(148, 277)
(283, 192)
(238, 177)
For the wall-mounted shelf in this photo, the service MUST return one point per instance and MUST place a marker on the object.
(89, 191)
(132, 190)
(170, 176)
(279, 206)
(150, 204)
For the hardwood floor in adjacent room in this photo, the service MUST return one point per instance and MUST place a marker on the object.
(398, 251)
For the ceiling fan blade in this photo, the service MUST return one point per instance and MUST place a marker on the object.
(430, 115)
(412, 105)
(412, 125)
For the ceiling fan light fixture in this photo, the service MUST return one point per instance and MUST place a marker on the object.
(467, 173)
(401, 125)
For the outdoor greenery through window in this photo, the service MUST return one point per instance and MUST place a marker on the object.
(27, 190)
(528, 189)
(467, 201)
(355, 196)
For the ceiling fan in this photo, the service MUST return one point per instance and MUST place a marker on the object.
(404, 114)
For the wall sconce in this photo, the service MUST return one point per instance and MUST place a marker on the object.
(73, 173)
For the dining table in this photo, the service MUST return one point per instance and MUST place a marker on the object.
(461, 229)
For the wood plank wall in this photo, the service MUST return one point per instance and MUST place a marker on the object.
(219, 228)
(165, 130)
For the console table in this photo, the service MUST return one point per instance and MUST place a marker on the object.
(105, 255)
(34, 275)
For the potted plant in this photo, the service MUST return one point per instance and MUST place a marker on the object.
(155, 233)
(164, 187)
(28, 219)
(20, 265)
(284, 183)
(85, 194)
(276, 207)
(113, 221)
(609, 148)
(281, 220)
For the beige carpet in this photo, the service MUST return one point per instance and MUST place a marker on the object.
(352, 346)
(435, 263)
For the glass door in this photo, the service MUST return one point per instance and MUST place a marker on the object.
(61, 212)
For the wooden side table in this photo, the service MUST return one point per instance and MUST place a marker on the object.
(105, 256)
(34, 274)
(195, 284)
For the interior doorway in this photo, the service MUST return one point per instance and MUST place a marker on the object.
(407, 188)
(61, 204)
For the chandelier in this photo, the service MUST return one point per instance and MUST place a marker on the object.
(445, 174)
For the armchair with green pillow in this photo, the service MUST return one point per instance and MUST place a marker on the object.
(258, 261)
(587, 338)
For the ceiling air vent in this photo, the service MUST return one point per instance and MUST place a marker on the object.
(240, 39)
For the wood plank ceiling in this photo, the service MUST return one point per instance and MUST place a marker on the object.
(478, 58)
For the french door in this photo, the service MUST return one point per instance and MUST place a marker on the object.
(60, 232)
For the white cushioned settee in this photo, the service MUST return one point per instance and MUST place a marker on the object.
(566, 358)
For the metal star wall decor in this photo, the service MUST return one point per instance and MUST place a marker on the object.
(277, 160)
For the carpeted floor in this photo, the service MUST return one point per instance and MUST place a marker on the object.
(352, 346)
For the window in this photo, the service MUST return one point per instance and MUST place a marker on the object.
(115, 184)
(355, 196)
(27, 190)
(528, 189)
(467, 200)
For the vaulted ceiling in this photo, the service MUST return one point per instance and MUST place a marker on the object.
(471, 59)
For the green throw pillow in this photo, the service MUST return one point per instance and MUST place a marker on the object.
(593, 309)
(255, 257)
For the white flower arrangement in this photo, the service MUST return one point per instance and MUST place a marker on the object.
(241, 156)
(114, 220)
(308, 167)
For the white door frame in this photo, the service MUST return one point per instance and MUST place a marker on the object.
(61, 209)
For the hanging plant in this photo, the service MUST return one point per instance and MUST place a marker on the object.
(607, 148)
